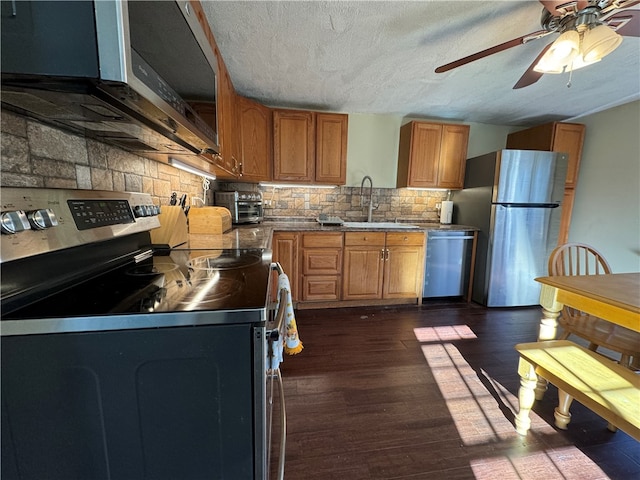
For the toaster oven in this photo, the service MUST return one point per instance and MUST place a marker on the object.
(245, 207)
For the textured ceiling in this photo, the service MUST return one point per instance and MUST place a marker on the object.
(380, 56)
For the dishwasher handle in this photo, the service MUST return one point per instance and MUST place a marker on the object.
(451, 237)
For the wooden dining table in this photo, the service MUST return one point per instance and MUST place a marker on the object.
(613, 297)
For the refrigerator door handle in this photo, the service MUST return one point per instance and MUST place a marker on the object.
(529, 205)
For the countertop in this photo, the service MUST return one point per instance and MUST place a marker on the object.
(260, 235)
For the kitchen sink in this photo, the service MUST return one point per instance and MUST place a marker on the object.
(390, 225)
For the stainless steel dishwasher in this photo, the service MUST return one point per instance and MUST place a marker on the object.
(448, 263)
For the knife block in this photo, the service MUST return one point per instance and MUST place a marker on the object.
(173, 229)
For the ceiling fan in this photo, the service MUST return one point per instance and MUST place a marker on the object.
(589, 30)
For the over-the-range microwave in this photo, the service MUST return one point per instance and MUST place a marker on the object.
(137, 74)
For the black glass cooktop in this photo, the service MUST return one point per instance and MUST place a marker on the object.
(182, 281)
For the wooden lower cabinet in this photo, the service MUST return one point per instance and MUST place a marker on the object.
(285, 251)
(333, 269)
(363, 265)
(382, 265)
(404, 265)
(321, 270)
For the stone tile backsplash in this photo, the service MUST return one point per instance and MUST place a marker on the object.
(36, 155)
(346, 202)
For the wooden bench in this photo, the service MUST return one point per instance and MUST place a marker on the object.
(603, 386)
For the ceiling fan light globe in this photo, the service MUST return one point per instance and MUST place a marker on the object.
(548, 67)
(580, 62)
(560, 54)
(599, 42)
(565, 48)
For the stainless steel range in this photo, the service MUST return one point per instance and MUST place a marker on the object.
(121, 360)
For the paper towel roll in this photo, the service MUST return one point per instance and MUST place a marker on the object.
(446, 212)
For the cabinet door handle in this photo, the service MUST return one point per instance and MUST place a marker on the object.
(382, 254)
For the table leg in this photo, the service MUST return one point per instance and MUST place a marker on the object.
(548, 328)
(548, 324)
(526, 396)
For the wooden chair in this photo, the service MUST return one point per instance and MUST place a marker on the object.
(581, 259)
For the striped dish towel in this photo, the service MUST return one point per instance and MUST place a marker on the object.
(292, 344)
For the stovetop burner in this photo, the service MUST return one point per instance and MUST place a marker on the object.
(225, 260)
(152, 269)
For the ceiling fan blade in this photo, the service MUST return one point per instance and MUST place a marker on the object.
(626, 23)
(552, 6)
(531, 76)
(490, 51)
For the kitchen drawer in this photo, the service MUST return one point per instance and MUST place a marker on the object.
(322, 240)
(364, 239)
(403, 238)
(321, 287)
(318, 261)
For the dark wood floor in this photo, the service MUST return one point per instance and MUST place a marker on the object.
(430, 392)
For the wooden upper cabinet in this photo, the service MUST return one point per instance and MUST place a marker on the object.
(556, 137)
(220, 115)
(309, 147)
(229, 163)
(569, 137)
(331, 148)
(553, 137)
(432, 155)
(453, 156)
(293, 145)
(255, 125)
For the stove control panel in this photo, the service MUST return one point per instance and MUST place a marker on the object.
(40, 220)
(100, 213)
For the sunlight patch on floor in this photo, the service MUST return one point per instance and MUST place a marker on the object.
(567, 463)
(483, 410)
(447, 333)
(473, 398)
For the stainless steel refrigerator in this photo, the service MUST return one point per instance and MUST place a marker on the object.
(515, 198)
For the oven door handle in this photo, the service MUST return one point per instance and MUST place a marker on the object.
(279, 315)
(276, 334)
(283, 425)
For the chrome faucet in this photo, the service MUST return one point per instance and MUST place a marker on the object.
(370, 195)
